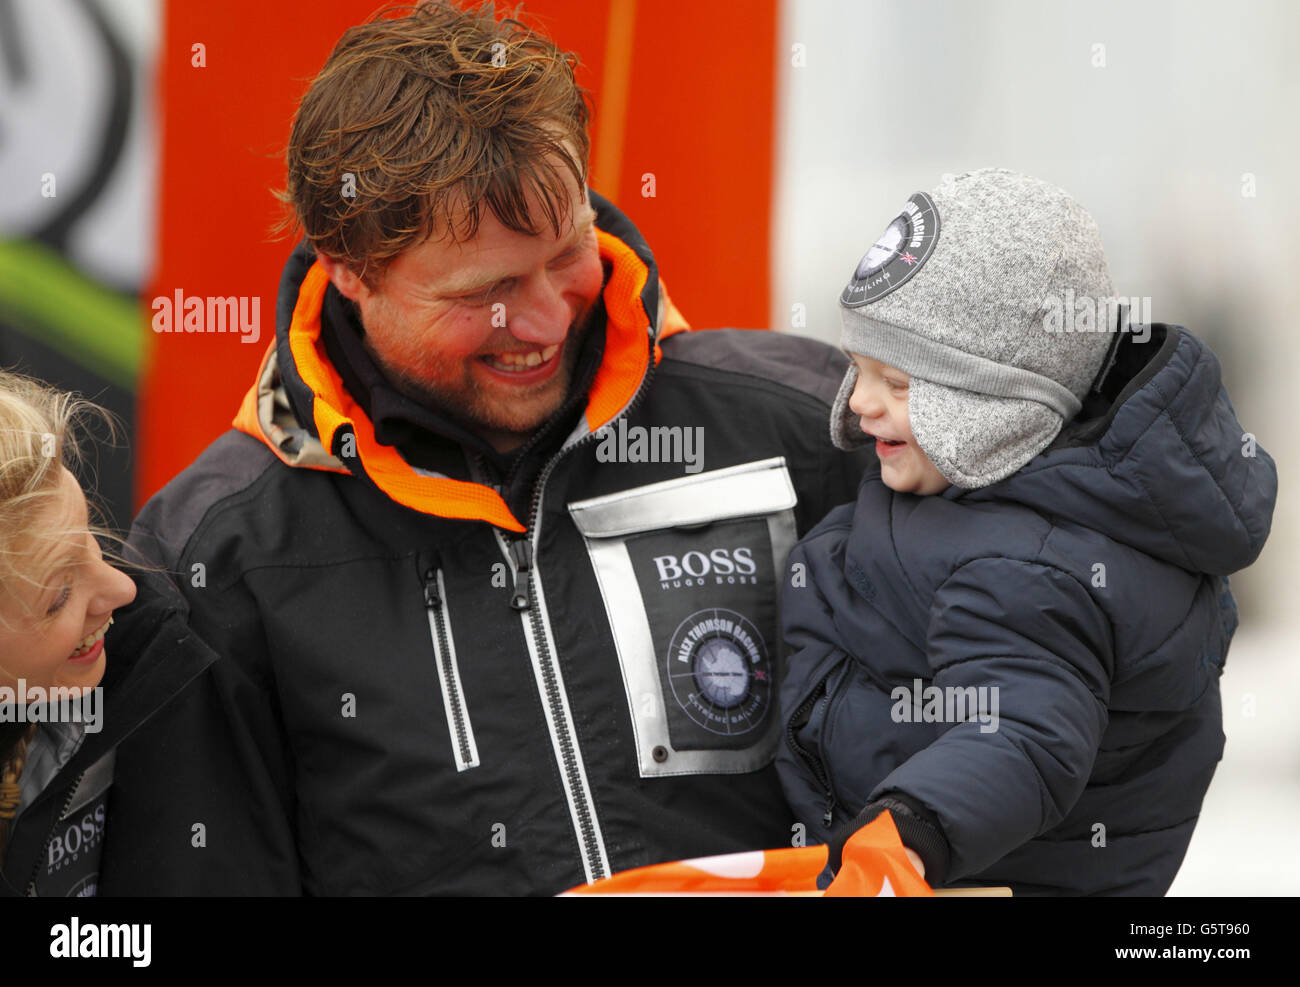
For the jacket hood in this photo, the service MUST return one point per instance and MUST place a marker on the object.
(1161, 463)
(300, 408)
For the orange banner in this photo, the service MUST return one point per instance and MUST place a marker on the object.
(874, 865)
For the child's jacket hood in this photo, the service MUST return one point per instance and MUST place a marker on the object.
(1166, 468)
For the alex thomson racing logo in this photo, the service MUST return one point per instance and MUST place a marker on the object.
(719, 671)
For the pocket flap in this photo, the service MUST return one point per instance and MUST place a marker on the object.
(760, 487)
(689, 571)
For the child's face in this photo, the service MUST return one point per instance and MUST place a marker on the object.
(880, 402)
(45, 643)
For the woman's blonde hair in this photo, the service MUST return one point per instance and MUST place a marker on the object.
(40, 429)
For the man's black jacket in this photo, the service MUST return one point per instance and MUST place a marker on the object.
(445, 672)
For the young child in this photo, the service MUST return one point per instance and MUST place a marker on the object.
(1012, 641)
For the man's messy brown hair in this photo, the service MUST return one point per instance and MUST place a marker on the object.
(415, 122)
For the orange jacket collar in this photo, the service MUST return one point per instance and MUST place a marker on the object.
(346, 431)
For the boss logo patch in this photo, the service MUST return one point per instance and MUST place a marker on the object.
(710, 599)
(72, 857)
(730, 565)
(688, 572)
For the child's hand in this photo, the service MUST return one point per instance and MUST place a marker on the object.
(911, 827)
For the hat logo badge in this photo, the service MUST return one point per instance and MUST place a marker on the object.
(899, 253)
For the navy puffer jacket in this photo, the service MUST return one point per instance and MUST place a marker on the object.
(1083, 600)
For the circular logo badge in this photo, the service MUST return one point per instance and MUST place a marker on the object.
(902, 249)
(719, 671)
(85, 888)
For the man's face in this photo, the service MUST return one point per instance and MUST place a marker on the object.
(880, 402)
(487, 330)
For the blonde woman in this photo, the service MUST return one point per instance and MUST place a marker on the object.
(64, 706)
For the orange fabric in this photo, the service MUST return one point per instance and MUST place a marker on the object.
(698, 185)
(874, 865)
(247, 419)
(627, 330)
(873, 856)
(334, 409)
(758, 872)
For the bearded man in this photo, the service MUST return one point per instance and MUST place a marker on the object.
(469, 642)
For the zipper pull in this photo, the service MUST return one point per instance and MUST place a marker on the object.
(830, 810)
(521, 554)
(427, 567)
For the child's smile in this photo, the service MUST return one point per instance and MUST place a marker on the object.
(880, 402)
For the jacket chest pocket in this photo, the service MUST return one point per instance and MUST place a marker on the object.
(688, 574)
(463, 746)
(69, 866)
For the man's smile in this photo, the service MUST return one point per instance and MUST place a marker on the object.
(522, 360)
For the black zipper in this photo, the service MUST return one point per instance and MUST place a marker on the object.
(45, 850)
(801, 716)
(521, 554)
(436, 607)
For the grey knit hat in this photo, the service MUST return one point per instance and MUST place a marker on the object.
(969, 291)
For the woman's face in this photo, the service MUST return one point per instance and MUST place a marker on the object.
(58, 640)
